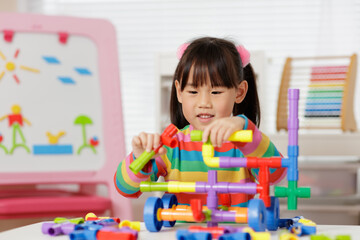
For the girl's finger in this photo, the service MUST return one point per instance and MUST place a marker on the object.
(156, 140)
(213, 135)
(220, 136)
(227, 134)
(143, 139)
(205, 135)
(150, 142)
(136, 141)
(162, 151)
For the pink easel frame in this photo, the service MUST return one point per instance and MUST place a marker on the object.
(103, 34)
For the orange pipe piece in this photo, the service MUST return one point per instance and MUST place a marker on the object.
(177, 213)
(184, 213)
(241, 215)
(172, 214)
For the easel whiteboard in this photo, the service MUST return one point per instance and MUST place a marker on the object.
(54, 83)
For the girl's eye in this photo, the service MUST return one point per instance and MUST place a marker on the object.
(216, 92)
(192, 92)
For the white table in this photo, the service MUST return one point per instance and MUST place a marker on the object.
(33, 232)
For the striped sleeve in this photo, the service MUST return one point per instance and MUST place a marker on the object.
(261, 146)
(128, 184)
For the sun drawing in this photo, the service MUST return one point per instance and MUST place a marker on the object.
(10, 67)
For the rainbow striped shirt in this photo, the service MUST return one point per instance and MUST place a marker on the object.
(185, 163)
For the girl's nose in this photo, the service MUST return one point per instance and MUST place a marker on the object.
(204, 100)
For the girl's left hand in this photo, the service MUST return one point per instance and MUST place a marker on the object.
(221, 129)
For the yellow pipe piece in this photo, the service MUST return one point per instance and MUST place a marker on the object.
(241, 136)
(208, 149)
(176, 187)
(257, 235)
(285, 235)
(135, 225)
(208, 156)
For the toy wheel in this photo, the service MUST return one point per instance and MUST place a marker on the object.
(202, 236)
(169, 200)
(182, 234)
(272, 215)
(257, 215)
(152, 205)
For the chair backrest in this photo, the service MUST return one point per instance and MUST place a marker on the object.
(327, 87)
(59, 83)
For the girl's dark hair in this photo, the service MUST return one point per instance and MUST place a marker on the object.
(220, 60)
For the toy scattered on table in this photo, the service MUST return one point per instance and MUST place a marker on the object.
(16, 121)
(1, 145)
(261, 214)
(135, 225)
(221, 233)
(53, 147)
(299, 226)
(10, 67)
(71, 220)
(324, 237)
(93, 217)
(60, 226)
(93, 228)
(83, 121)
(285, 235)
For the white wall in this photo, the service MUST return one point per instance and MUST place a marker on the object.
(146, 28)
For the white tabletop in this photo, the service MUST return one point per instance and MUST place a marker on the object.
(33, 232)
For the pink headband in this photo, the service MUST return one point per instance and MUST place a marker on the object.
(244, 54)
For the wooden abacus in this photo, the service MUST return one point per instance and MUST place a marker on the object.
(326, 86)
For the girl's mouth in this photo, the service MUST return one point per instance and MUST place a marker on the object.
(204, 117)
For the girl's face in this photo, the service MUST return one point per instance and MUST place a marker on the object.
(204, 104)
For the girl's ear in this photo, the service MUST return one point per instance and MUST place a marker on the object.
(178, 91)
(241, 91)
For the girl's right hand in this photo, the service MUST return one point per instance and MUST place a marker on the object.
(146, 142)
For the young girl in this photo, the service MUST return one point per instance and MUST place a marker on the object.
(213, 90)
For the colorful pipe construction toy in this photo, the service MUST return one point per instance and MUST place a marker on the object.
(261, 213)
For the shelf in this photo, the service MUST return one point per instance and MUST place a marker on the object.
(320, 144)
(351, 200)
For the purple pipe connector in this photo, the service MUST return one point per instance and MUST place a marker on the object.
(293, 120)
(54, 229)
(230, 162)
(46, 226)
(212, 198)
(225, 187)
(293, 127)
(223, 216)
(67, 228)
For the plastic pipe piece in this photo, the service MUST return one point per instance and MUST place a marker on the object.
(133, 225)
(145, 157)
(92, 217)
(238, 136)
